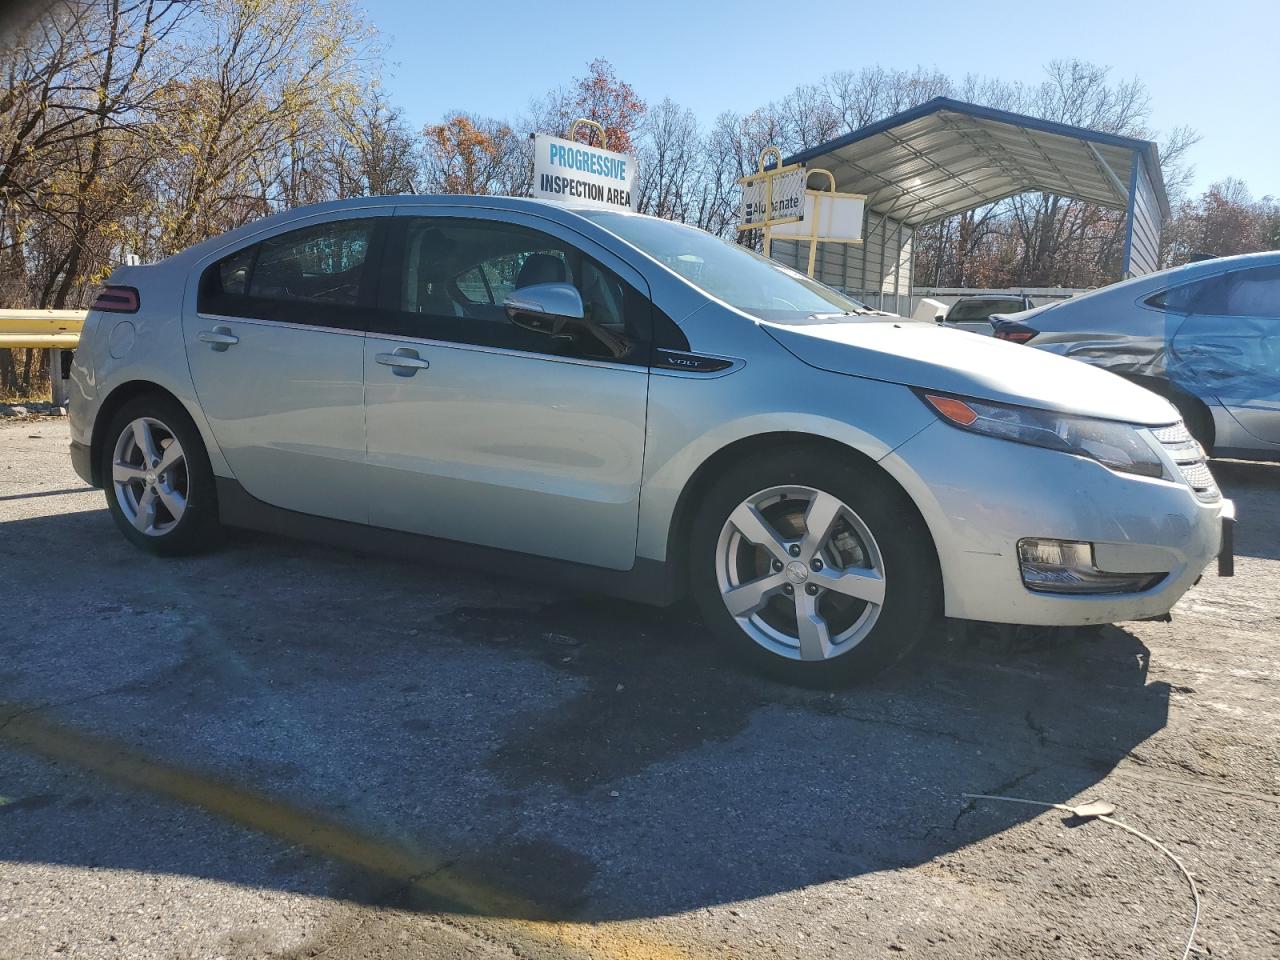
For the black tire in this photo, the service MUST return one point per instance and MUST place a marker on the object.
(912, 583)
(197, 529)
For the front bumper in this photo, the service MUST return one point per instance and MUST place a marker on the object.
(980, 495)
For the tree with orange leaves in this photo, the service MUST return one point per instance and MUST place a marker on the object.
(598, 96)
(466, 155)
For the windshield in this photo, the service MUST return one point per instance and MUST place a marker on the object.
(732, 273)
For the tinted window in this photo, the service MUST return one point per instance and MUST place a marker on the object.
(454, 276)
(1242, 293)
(321, 264)
(1253, 293)
(981, 309)
(1200, 296)
(233, 272)
(314, 276)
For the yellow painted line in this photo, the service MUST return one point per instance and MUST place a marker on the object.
(425, 872)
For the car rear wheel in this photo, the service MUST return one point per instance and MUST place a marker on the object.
(157, 478)
(813, 568)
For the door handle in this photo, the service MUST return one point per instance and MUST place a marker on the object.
(219, 338)
(404, 362)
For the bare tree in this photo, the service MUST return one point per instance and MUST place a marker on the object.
(372, 152)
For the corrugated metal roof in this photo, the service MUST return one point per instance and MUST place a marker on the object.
(947, 156)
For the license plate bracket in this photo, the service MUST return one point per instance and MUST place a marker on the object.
(1227, 552)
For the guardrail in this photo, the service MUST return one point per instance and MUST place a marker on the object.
(53, 330)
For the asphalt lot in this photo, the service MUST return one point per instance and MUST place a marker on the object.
(282, 750)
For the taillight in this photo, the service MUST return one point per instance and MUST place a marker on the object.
(1015, 332)
(116, 300)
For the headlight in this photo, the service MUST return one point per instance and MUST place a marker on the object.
(1116, 445)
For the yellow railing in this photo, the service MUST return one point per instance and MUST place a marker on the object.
(55, 330)
(47, 329)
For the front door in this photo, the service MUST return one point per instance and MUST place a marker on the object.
(483, 432)
(276, 350)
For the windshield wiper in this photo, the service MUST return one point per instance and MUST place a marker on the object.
(843, 313)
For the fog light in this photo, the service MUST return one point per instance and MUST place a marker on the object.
(1066, 566)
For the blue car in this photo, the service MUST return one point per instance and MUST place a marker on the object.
(1206, 336)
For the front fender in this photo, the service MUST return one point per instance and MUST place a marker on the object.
(691, 419)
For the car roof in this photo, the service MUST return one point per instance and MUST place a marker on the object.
(555, 210)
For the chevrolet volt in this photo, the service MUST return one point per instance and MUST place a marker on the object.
(632, 406)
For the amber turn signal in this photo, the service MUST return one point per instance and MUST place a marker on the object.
(957, 411)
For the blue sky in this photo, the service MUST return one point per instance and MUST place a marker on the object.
(1206, 64)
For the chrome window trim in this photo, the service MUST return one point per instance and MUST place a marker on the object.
(279, 228)
(735, 363)
(507, 352)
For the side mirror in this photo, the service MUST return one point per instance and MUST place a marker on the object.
(545, 307)
(938, 318)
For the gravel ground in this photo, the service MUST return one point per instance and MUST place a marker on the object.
(282, 750)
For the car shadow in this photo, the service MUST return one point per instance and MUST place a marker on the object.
(488, 746)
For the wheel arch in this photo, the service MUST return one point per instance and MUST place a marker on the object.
(111, 405)
(700, 481)
(1180, 399)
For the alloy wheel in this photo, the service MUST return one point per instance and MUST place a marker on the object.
(800, 572)
(150, 477)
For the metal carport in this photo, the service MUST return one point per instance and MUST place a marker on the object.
(947, 156)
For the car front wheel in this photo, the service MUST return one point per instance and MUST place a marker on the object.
(813, 567)
(157, 478)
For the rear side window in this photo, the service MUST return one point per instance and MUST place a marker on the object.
(1199, 296)
(322, 264)
(1241, 293)
(1253, 293)
(319, 275)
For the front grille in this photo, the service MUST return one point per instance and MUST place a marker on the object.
(1189, 456)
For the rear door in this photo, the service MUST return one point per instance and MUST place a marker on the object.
(1228, 346)
(483, 432)
(275, 341)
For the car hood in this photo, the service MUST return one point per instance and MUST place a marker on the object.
(955, 361)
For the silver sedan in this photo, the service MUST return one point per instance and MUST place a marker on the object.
(632, 406)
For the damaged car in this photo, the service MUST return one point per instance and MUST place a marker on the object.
(1206, 336)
